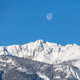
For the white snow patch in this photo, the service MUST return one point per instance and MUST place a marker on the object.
(56, 77)
(68, 70)
(77, 63)
(42, 76)
(10, 61)
(23, 69)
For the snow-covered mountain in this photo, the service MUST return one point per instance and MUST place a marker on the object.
(63, 62)
(14, 68)
(44, 51)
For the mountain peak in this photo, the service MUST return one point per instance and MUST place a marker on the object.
(42, 51)
(75, 44)
(40, 41)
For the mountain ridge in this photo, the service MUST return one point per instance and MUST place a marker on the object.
(43, 51)
(40, 60)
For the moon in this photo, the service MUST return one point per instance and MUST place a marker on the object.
(49, 16)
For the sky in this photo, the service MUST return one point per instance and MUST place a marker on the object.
(24, 21)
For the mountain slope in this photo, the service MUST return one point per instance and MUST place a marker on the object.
(14, 68)
(56, 62)
(43, 51)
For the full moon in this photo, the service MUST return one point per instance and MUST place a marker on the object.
(49, 16)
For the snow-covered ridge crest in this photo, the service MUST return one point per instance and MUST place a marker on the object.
(43, 51)
(26, 49)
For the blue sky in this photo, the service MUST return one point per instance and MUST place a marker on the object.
(24, 21)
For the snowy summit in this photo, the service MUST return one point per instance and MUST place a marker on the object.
(40, 60)
(43, 51)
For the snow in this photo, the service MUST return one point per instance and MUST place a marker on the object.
(47, 52)
(77, 64)
(23, 69)
(70, 71)
(57, 77)
(42, 76)
(44, 51)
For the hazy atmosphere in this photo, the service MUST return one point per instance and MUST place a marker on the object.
(24, 21)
